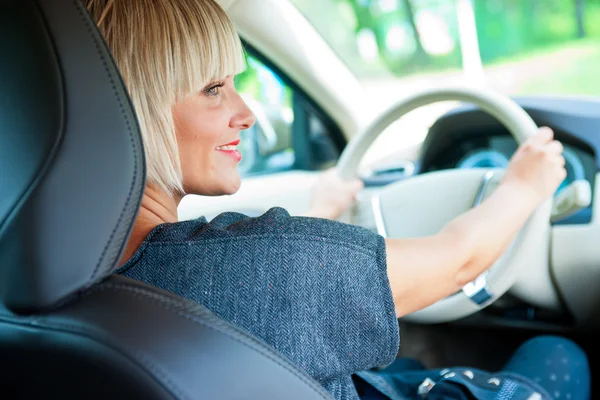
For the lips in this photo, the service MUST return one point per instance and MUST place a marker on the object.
(231, 150)
(230, 144)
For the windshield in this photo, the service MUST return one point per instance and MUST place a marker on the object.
(518, 47)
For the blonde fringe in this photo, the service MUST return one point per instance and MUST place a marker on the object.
(166, 50)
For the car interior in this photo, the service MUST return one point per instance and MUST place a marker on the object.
(71, 158)
(555, 286)
(69, 329)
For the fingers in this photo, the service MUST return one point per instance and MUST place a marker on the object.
(353, 187)
(553, 151)
(537, 143)
(332, 172)
(543, 142)
(359, 187)
(562, 174)
(544, 135)
(356, 185)
(554, 147)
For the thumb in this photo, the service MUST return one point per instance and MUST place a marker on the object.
(356, 185)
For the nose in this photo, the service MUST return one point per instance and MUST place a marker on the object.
(244, 117)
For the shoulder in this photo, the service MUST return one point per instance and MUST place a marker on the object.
(274, 235)
(276, 223)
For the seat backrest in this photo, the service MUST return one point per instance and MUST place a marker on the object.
(72, 175)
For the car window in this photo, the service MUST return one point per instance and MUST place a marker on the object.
(267, 146)
(289, 133)
(519, 47)
(516, 47)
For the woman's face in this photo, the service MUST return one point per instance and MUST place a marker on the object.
(208, 126)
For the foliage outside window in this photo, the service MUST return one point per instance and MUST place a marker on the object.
(540, 46)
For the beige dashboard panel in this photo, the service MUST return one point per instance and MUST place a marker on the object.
(575, 260)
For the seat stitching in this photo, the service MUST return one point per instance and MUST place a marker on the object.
(117, 94)
(164, 302)
(195, 309)
(106, 339)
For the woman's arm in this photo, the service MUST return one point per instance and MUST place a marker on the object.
(424, 270)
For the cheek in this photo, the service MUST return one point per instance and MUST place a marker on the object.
(196, 134)
(204, 171)
(196, 140)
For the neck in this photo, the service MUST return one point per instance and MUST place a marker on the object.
(157, 208)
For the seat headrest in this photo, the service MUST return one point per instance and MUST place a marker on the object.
(72, 169)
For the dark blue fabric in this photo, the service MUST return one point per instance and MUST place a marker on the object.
(558, 365)
(553, 367)
(316, 290)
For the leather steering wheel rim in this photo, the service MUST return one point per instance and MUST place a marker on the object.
(505, 110)
(502, 275)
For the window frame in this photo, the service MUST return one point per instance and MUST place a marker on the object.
(304, 107)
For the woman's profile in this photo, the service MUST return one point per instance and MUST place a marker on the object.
(325, 294)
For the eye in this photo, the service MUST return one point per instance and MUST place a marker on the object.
(213, 89)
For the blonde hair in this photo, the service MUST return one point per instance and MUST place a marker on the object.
(165, 50)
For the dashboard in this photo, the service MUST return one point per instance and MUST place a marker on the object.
(500, 149)
(558, 289)
(469, 138)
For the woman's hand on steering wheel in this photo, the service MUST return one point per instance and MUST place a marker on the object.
(538, 166)
(331, 196)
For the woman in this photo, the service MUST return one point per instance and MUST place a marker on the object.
(325, 294)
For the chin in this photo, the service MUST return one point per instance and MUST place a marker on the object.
(232, 188)
(219, 188)
(229, 182)
(222, 183)
(223, 188)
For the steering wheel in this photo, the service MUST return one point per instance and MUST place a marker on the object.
(422, 205)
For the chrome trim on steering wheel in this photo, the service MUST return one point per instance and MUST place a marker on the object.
(478, 290)
(485, 181)
(379, 223)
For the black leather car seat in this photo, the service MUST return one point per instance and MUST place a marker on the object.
(71, 179)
